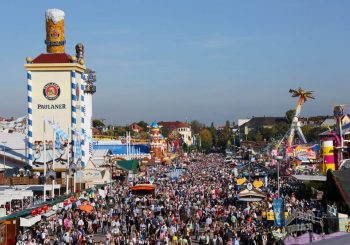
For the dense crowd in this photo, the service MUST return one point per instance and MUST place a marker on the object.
(199, 206)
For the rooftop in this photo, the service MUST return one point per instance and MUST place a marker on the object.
(264, 121)
(172, 125)
(53, 58)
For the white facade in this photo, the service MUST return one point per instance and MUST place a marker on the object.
(65, 105)
(186, 134)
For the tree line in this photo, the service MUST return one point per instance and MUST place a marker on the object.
(211, 138)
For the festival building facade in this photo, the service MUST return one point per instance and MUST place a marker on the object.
(60, 93)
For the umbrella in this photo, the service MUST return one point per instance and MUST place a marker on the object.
(86, 207)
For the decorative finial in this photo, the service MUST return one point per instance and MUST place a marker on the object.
(79, 51)
(29, 59)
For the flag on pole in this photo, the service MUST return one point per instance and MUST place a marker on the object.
(57, 140)
(77, 148)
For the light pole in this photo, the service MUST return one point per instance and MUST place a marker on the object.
(279, 159)
(3, 147)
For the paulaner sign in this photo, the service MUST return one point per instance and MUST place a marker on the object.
(51, 91)
(59, 106)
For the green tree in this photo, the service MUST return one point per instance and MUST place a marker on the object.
(206, 139)
(290, 115)
(143, 135)
(259, 136)
(165, 132)
(251, 136)
(213, 132)
(224, 136)
(119, 131)
(196, 126)
(143, 125)
(267, 133)
(311, 132)
(281, 129)
(96, 123)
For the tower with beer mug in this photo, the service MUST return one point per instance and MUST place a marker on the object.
(60, 92)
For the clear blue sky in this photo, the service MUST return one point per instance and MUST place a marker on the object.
(185, 60)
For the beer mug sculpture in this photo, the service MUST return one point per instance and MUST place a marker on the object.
(55, 31)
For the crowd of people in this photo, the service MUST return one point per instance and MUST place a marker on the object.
(200, 206)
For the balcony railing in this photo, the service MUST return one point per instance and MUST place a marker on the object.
(29, 181)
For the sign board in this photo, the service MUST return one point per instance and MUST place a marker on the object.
(271, 215)
(305, 153)
(246, 130)
(111, 202)
(51, 98)
(278, 209)
(344, 224)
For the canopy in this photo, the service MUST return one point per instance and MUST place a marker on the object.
(130, 165)
(86, 207)
(49, 214)
(241, 181)
(29, 220)
(253, 195)
(143, 187)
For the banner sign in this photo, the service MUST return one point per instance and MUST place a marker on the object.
(278, 209)
(271, 215)
(305, 153)
(111, 202)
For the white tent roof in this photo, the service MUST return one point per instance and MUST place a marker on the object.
(100, 153)
(15, 145)
(29, 221)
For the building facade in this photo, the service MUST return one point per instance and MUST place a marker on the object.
(59, 95)
(183, 129)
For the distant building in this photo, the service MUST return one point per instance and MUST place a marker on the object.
(330, 122)
(95, 131)
(135, 128)
(220, 127)
(240, 122)
(260, 122)
(184, 129)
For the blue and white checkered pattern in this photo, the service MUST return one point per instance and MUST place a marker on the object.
(57, 141)
(30, 118)
(74, 105)
(77, 147)
(82, 110)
